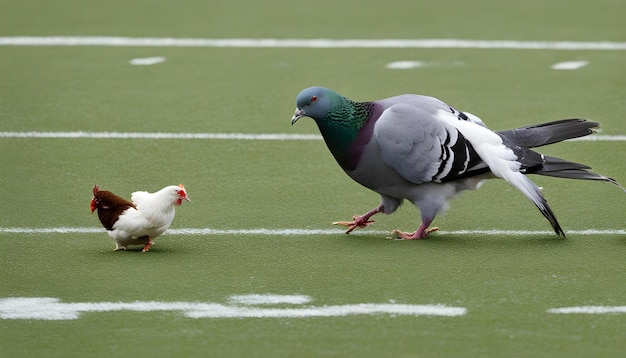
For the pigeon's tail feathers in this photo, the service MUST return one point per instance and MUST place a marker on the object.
(560, 168)
(533, 192)
(548, 214)
(503, 164)
(538, 135)
(521, 139)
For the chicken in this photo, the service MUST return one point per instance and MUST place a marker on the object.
(139, 221)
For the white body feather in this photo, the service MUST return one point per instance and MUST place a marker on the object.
(154, 214)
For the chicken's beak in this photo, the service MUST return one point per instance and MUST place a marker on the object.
(93, 205)
(182, 194)
(180, 199)
(299, 113)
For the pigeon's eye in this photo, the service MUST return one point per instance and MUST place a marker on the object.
(313, 99)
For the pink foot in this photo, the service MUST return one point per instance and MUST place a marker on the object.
(360, 221)
(416, 235)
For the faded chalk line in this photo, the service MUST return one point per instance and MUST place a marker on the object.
(569, 65)
(588, 310)
(218, 136)
(307, 43)
(268, 299)
(297, 232)
(147, 61)
(404, 65)
(49, 308)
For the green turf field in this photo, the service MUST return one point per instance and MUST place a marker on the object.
(494, 257)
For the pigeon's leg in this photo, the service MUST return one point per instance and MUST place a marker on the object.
(148, 245)
(119, 247)
(360, 221)
(421, 232)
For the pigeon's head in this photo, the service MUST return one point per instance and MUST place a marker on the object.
(313, 102)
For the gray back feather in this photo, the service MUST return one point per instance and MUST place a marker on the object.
(410, 141)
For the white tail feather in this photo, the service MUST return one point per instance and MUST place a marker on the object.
(503, 164)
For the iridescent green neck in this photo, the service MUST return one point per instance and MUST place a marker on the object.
(343, 121)
(341, 128)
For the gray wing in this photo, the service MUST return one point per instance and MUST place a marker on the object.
(423, 149)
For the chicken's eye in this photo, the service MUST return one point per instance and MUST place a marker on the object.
(313, 99)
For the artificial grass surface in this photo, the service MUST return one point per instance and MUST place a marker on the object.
(506, 283)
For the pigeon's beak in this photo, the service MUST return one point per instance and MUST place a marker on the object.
(299, 113)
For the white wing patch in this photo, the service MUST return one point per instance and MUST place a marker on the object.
(501, 160)
(488, 145)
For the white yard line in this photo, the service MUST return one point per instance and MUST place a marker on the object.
(588, 310)
(297, 232)
(143, 135)
(218, 136)
(569, 65)
(48, 308)
(307, 43)
(245, 306)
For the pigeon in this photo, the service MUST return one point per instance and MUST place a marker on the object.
(418, 148)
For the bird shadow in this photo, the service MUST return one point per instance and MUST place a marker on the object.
(509, 241)
(446, 240)
(155, 250)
